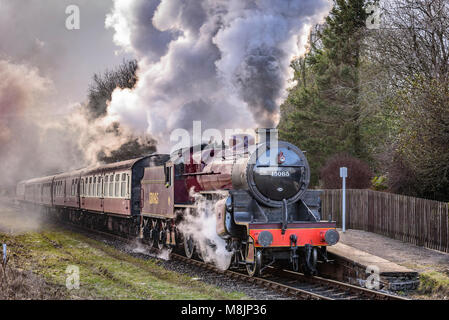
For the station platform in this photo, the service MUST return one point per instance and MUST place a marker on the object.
(354, 265)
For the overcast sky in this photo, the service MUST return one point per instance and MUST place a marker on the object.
(34, 32)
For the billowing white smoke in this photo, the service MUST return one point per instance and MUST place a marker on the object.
(38, 137)
(224, 62)
(27, 143)
(201, 227)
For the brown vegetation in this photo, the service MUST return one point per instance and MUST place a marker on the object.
(359, 173)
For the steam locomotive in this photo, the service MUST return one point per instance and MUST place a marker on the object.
(258, 194)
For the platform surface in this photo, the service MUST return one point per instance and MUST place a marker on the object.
(366, 259)
(390, 255)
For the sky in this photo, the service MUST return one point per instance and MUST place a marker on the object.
(33, 32)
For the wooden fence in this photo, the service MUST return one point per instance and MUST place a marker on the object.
(418, 221)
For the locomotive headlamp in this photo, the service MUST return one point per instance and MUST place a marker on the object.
(265, 238)
(331, 236)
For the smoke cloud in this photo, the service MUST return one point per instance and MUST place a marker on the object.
(45, 70)
(25, 141)
(225, 63)
(36, 138)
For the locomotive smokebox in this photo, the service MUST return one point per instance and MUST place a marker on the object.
(273, 173)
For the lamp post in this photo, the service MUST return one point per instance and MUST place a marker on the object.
(343, 175)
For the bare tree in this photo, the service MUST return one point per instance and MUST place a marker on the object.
(100, 91)
(411, 51)
(413, 39)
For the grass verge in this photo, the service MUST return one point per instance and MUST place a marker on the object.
(104, 272)
(434, 284)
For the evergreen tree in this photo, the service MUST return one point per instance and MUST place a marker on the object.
(322, 112)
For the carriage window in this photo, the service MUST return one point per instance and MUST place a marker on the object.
(111, 186)
(123, 185)
(106, 186)
(99, 187)
(117, 185)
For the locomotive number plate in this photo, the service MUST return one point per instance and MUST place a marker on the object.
(280, 173)
(273, 172)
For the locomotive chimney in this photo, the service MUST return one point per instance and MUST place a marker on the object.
(266, 135)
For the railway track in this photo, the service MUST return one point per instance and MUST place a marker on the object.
(298, 285)
(293, 284)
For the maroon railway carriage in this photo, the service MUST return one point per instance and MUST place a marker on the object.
(37, 191)
(106, 196)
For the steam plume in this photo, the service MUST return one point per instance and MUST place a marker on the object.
(224, 62)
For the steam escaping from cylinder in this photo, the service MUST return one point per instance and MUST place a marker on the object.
(137, 247)
(200, 225)
(223, 62)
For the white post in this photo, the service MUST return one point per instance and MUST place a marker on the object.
(343, 175)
